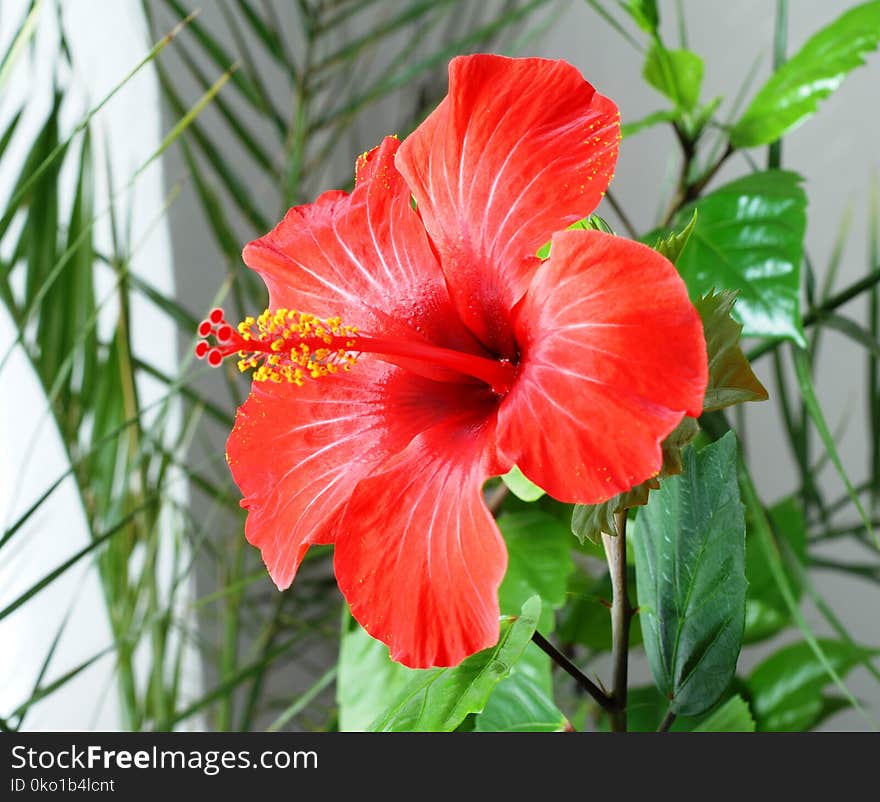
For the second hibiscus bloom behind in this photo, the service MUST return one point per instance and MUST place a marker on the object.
(409, 355)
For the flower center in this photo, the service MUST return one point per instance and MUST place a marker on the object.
(291, 346)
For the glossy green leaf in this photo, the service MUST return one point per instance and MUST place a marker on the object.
(731, 380)
(522, 487)
(793, 92)
(733, 716)
(368, 680)
(539, 562)
(749, 238)
(830, 706)
(690, 565)
(523, 702)
(646, 707)
(439, 699)
(677, 74)
(644, 12)
(786, 688)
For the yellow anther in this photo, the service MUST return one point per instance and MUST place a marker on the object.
(284, 345)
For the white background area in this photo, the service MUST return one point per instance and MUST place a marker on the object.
(107, 39)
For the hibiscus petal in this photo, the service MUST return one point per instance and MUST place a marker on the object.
(613, 356)
(418, 557)
(364, 257)
(519, 149)
(297, 453)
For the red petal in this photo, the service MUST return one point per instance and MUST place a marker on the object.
(613, 356)
(297, 453)
(519, 149)
(364, 257)
(419, 557)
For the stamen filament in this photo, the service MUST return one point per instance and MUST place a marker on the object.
(286, 345)
(498, 374)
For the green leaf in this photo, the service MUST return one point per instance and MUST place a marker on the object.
(733, 716)
(830, 706)
(674, 243)
(677, 74)
(368, 680)
(646, 707)
(766, 609)
(690, 565)
(655, 118)
(644, 12)
(522, 487)
(591, 223)
(523, 702)
(589, 521)
(539, 562)
(439, 699)
(786, 688)
(749, 238)
(793, 92)
(731, 380)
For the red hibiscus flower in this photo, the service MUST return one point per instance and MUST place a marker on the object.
(409, 354)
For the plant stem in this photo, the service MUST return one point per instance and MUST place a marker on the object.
(668, 721)
(774, 152)
(601, 698)
(686, 191)
(687, 156)
(621, 616)
(495, 498)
